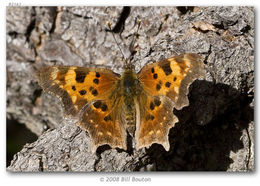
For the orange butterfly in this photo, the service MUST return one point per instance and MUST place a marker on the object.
(109, 105)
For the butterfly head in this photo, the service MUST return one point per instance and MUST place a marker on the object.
(128, 65)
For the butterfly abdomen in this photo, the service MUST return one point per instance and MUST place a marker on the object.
(129, 115)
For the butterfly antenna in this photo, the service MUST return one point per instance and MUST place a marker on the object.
(135, 36)
(109, 26)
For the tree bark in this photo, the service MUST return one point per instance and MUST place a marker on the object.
(215, 132)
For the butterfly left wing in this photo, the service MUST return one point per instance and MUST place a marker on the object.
(165, 86)
(89, 94)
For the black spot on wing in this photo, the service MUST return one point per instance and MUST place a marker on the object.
(91, 88)
(167, 84)
(151, 106)
(97, 104)
(94, 92)
(80, 75)
(73, 88)
(166, 66)
(96, 81)
(158, 87)
(157, 102)
(108, 118)
(82, 92)
(104, 107)
(97, 74)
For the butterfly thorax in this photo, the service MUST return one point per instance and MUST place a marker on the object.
(131, 88)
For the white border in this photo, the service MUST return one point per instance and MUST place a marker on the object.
(158, 178)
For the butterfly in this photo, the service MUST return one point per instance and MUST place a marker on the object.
(109, 105)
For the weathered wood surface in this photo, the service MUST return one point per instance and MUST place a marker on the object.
(215, 132)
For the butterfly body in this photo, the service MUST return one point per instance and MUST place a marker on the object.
(109, 105)
(131, 89)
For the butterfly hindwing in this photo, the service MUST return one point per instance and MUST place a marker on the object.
(155, 120)
(101, 120)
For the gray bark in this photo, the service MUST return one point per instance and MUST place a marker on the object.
(215, 132)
